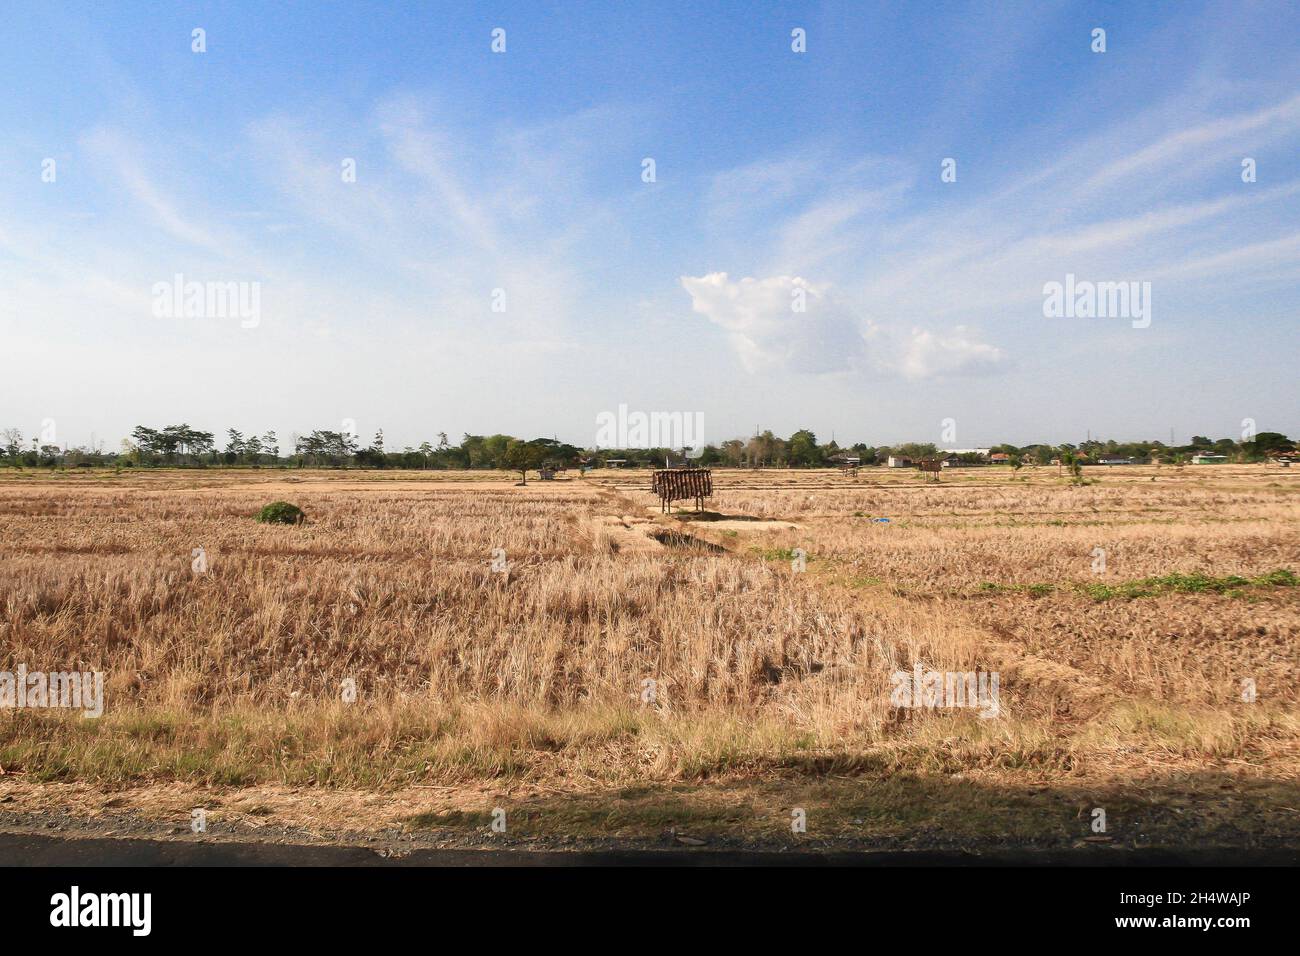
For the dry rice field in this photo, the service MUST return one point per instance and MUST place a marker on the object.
(622, 675)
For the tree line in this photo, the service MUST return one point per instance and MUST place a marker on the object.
(183, 446)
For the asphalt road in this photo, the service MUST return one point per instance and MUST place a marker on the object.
(21, 849)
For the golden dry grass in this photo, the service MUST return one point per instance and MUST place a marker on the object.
(468, 678)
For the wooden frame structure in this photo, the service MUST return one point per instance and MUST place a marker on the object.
(681, 484)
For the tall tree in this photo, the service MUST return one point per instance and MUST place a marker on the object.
(13, 442)
(235, 446)
(803, 449)
(520, 456)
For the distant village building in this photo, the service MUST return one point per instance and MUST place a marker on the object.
(1000, 458)
(1116, 460)
(848, 464)
(899, 461)
(964, 457)
(1206, 459)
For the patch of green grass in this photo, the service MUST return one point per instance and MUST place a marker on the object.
(1282, 578)
(281, 512)
(865, 581)
(1037, 590)
(1189, 584)
(778, 554)
(1231, 585)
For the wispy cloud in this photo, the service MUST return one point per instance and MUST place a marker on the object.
(521, 173)
(121, 160)
(959, 268)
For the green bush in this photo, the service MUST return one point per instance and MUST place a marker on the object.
(281, 512)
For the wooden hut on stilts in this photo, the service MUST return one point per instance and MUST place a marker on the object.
(682, 484)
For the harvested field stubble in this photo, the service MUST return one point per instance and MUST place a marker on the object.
(538, 671)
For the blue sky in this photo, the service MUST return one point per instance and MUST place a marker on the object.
(775, 172)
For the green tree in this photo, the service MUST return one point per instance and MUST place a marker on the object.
(803, 450)
(521, 456)
(708, 457)
(494, 447)
(1270, 441)
(13, 444)
(235, 446)
(915, 450)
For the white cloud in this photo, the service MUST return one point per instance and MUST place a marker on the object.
(768, 331)
(926, 355)
(764, 323)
